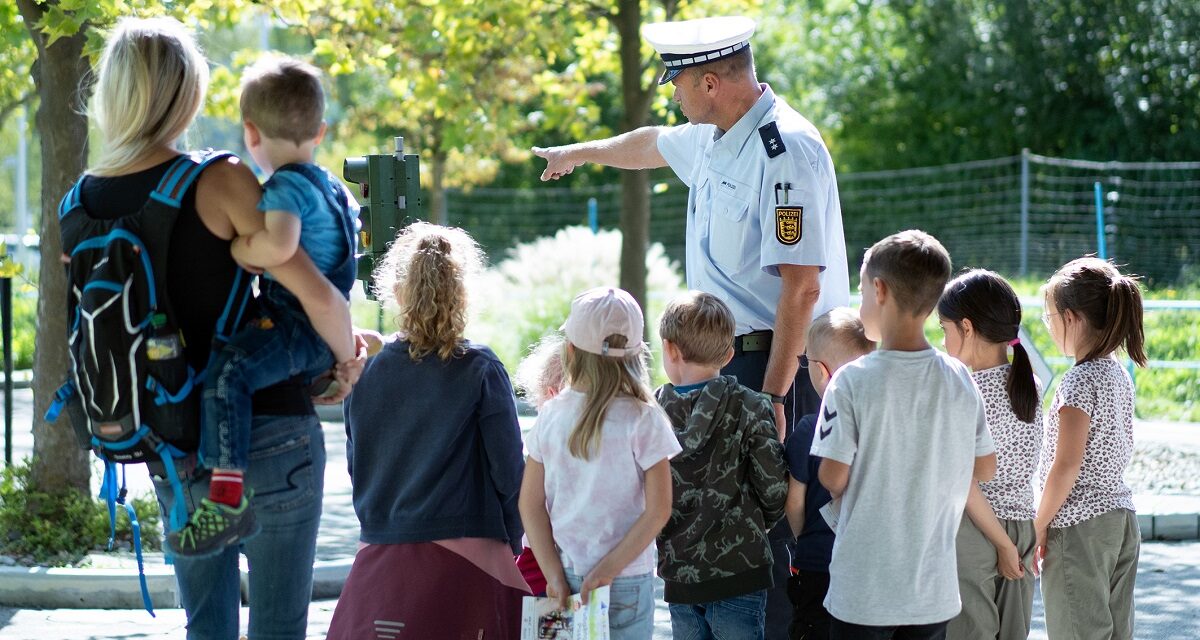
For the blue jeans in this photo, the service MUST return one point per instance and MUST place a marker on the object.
(276, 346)
(630, 605)
(287, 475)
(736, 618)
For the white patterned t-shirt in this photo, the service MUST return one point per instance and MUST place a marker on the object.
(1102, 389)
(1018, 445)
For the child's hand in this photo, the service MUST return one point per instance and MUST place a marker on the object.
(372, 340)
(1008, 562)
(348, 372)
(1039, 546)
(557, 590)
(594, 580)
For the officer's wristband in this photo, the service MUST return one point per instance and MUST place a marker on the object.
(777, 399)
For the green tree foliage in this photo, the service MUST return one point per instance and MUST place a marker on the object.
(922, 82)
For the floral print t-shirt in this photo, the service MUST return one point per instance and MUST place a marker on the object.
(1018, 445)
(1102, 389)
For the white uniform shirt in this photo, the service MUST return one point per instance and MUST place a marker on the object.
(740, 228)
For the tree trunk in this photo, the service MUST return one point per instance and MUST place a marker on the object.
(58, 462)
(635, 185)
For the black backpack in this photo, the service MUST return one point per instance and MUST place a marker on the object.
(130, 393)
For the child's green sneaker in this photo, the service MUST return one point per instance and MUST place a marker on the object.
(213, 527)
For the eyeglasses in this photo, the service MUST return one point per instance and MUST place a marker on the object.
(1046, 318)
(806, 362)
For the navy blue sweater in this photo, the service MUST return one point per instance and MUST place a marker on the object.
(434, 448)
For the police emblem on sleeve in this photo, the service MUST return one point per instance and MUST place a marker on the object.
(789, 223)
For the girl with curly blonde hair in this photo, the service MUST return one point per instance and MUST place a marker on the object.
(434, 451)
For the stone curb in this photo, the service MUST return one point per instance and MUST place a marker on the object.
(70, 588)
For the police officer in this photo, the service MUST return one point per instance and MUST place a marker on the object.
(764, 223)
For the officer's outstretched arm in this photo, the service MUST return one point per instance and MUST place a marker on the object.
(637, 149)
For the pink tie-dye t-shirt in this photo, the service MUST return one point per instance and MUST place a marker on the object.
(593, 503)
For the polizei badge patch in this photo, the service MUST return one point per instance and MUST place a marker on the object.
(789, 223)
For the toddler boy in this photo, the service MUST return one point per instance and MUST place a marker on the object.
(834, 339)
(305, 207)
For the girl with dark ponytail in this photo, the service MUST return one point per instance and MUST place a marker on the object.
(980, 316)
(1087, 534)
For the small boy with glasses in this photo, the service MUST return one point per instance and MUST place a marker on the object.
(834, 339)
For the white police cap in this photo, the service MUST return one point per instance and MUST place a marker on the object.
(694, 42)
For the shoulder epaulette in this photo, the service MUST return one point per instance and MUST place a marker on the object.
(771, 139)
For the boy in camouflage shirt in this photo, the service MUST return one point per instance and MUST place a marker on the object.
(729, 484)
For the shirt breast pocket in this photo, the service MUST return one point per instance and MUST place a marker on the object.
(727, 232)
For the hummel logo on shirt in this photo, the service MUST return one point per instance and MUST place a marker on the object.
(826, 430)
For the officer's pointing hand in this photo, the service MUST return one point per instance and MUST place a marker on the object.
(559, 162)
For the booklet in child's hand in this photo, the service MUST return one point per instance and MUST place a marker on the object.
(542, 620)
(830, 512)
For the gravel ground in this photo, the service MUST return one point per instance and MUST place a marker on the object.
(1163, 469)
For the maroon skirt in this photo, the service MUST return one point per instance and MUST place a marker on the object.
(459, 589)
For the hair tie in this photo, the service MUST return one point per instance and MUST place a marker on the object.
(1014, 342)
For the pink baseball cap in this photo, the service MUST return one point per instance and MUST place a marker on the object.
(602, 312)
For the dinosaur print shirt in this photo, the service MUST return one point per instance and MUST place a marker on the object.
(729, 486)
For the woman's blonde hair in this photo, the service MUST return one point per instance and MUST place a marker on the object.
(150, 86)
(603, 379)
(426, 272)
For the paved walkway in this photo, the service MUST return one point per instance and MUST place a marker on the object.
(1168, 607)
(1168, 590)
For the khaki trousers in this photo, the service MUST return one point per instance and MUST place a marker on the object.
(993, 607)
(1088, 577)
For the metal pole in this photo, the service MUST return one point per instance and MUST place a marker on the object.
(6, 329)
(1024, 212)
(593, 215)
(1100, 240)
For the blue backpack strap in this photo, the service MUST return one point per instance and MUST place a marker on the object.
(113, 497)
(230, 319)
(182, 173)
(61, 397)
(71, 201)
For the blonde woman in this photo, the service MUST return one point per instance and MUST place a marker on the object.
(151, 83)
(597, 486)
(434, 451)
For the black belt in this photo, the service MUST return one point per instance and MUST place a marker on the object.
(287, 398)
(753, 341)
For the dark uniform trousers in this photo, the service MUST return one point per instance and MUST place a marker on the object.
(749, 366)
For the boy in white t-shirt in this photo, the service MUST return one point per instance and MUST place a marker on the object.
(902, 431)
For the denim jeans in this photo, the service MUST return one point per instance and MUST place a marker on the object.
(287, 474)
(737, 618)
(630, 605)
(269, 349)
